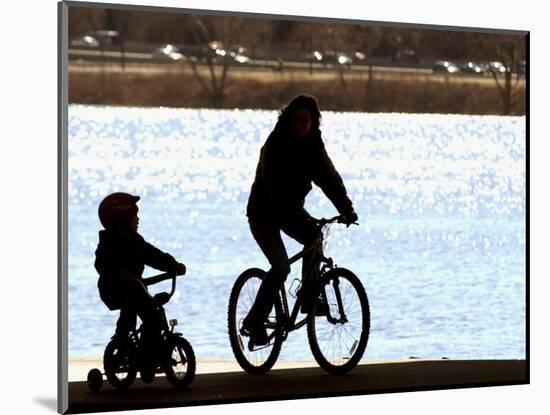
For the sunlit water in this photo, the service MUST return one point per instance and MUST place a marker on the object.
(440, 248)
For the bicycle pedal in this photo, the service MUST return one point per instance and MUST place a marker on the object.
(253, 347)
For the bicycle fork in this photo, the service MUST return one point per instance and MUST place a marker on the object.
(343, 318)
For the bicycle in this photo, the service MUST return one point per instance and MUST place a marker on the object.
(122, 354)
(337, 339)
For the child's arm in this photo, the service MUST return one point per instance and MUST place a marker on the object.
(162, 261)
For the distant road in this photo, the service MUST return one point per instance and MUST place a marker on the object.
(146, 58)
(142, 63)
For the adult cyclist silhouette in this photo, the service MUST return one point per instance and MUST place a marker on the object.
(292, 157)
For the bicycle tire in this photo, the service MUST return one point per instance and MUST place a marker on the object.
(355, 343)
(256, 363)
(119, 359)
(179, 379)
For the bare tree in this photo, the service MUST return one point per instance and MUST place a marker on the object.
(225, 30)
(117, 20)
(337, 43)
(357, 38)
(509, 51)
(368, 39)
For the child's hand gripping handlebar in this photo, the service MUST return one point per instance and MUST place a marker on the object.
(163, 298)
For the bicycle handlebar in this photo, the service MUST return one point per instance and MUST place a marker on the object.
(158, 278)
(338, 218)
(162, 277)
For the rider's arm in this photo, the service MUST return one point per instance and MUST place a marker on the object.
(329, 180)
(155, 258)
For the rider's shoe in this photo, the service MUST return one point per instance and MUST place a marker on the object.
(256, 332)
(147, 363)
(258, 339)
(147, 373)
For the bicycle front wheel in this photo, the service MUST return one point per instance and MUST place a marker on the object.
(260, 359)
(339, 339)
(180, 365)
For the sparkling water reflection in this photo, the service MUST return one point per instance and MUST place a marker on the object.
(441, 201)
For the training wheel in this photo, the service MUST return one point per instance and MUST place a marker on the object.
(95, 380)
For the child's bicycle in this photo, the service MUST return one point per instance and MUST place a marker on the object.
(337, 338)
(121, 359)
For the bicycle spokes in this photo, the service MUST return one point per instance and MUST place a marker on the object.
(338, 334)
(246, 297)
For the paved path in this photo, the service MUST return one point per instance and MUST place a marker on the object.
(300, 383)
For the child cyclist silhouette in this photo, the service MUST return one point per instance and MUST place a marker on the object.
(121, 256)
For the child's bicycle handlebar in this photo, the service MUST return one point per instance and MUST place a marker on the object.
(163, 277)
(158, 278)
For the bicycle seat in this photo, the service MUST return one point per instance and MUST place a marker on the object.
(161, 298)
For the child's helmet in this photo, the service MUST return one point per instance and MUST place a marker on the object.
(115, 205)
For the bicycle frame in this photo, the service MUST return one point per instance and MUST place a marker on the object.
(166, 327)
(337, 297)
(289, 323)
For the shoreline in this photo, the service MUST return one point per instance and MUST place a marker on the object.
(177, 86)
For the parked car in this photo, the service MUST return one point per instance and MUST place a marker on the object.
(314, 56)
(168, 53)
(107, 37)
(407, 55)
(241, 58)
(104, 39)
(445, 66)
(498, 67)
(360, 56)
(338, 58)
(216, 49)
(473, 68)
(238, 50)
(84, 42)
(239, 54)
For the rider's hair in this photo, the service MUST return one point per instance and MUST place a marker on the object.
(300, 101)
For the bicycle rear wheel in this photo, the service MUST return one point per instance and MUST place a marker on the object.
(119, 363)
(243, 294)
(339, 340)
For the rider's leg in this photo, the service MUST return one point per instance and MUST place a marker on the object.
(126, 321)
(302, 228)
(139, 301)
(268, 237)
